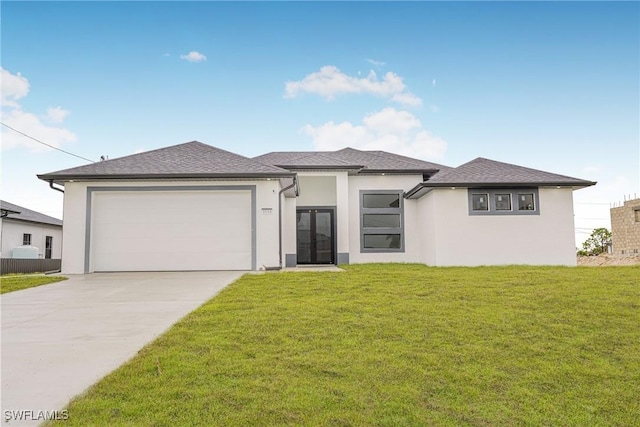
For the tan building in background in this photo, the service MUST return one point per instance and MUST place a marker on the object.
(625, 228)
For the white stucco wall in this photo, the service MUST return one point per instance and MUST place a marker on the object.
(268, 243)
(12, 232)
(343, 213)
(317, 189)
(412, 237)
(463, 239)
(427, 221)
(74, 209)
(75, 218)
(289, 244)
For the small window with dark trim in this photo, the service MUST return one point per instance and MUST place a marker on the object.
(382, 201)
(26, 239)
(503, 201)
(381, 220)
(636, 214)
(480, 202)
(526, 202)
(48, 247)
(382, 241)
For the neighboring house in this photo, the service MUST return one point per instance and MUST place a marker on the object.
(28, 234)
(196, 207)
(625, 228)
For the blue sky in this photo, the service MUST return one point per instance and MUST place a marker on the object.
(553, 86)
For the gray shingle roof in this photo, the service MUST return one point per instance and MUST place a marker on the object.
(368, 161)
(490, 173)
(24, 214)
(304, 158)
(189, 160)
(485, 171)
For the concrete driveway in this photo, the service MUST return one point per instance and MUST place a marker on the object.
(59, 339)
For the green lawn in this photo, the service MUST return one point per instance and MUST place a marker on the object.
(391, 345)
(20, 282)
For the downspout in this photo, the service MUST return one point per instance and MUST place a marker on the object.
(55, 188)
(293, 184)
(62, 191)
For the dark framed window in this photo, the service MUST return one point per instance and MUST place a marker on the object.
(26, 239)
(381, 221)
(526, 202)
(48, 246)
(380, 201)
(382, 241)
(636, 214)
(480, 201)
(503, 201)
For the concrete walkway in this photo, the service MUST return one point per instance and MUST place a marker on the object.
(59, 339)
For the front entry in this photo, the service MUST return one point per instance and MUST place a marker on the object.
(315, 236)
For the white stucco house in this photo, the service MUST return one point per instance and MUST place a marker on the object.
(25, 233)
(196, 207)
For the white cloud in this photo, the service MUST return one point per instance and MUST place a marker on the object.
(15, 87)
(194, 56)
(389, 130)
(330, 82)
(407, 98)
(57, 114)
(376, 63)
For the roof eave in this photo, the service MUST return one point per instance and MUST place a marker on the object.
(575, 184)
(120, 177)
(32, 221)
(398, 171)
(425, 187)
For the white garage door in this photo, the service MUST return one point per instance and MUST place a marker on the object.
(171, 230)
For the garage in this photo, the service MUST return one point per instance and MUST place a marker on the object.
(170, 229)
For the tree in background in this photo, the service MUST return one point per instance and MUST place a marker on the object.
(597, 242)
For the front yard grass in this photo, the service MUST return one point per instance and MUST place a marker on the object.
(20, 282)
(391, 345)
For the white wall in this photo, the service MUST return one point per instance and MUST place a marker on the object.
(12, 233)
(268, 243)
(75, 218)
(463, 239)
(427, 221)
(412, 238)
(289, 243)
(343, 212)
(317, 189)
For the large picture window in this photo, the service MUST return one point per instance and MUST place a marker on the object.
(381, 221)
(504, 201)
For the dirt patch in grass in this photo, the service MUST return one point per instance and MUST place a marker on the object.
(608, 260)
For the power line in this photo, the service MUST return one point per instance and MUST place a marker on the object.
(44, 143)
